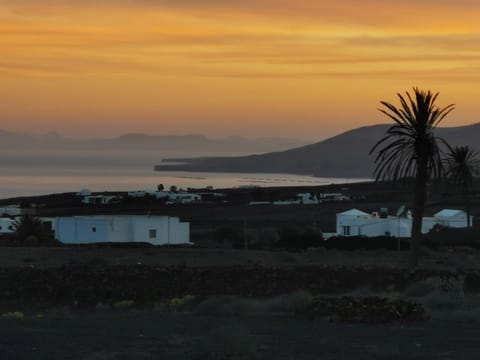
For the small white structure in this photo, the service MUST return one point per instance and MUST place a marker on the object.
(307, 199)
(447, 217)
(138, 193)
(286, 202)
(358, 223)
(172, 197)
(333, 197)
(101, 199)
(6, 225)
(84, 192)
(183, 198)
(156, 230)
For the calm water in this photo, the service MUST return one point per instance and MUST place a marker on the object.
(53, 179)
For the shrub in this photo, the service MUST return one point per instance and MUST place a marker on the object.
(30, 231)
(366, 243)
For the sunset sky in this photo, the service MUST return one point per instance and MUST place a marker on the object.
(296, 68)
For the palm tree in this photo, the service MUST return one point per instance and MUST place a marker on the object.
(462, 164)
(410, 149)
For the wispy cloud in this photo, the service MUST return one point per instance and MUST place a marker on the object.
(227, 49)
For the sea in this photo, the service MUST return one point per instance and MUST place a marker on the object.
(28, 182)
(30, 176)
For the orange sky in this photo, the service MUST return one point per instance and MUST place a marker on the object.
(297, 68)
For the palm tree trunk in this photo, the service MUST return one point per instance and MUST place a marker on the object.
(418, 210)
(467, 206)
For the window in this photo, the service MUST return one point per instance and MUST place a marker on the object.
(0, 227)
(10, 227)
(346, 230)
(152, 233)
(94, 229)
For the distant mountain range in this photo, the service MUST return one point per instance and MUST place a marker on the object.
(25, 152)
(188, 144)
(345, 155)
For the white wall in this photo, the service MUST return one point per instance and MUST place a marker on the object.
(79, 230)
(141, 229)
(369, 225)
(6, 226)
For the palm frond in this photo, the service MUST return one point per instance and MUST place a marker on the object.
(410, 142)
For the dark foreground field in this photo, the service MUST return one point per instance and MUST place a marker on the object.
(144, 335)
(150, 303)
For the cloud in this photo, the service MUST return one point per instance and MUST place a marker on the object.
(370, 13)
(182, 38)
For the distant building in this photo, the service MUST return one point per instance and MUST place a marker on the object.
(307, 199)
(333, 197)
(183, 198)
(10, 210)
(448, 217)
(171, 197)
(156, 230)
(358, 223)
(84, 192)
(101, 199)
(7, 225)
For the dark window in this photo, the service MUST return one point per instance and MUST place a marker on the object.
(94, 229)
(152, 233)
(346, 230)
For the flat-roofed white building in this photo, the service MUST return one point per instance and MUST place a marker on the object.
(156, 230)
(358, 223)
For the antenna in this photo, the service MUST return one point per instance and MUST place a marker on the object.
(401, 210)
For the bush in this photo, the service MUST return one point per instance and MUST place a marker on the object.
(296, 238)
(30, 231)
(445, 236)
(366, 243)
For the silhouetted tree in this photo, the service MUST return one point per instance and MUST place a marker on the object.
(160, 187)
(30, 230)
(410, 149)
(462, 164)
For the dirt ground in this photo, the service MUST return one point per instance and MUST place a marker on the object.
(240, 328)
(145, 335)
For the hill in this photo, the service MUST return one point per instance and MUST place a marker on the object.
(344, 155)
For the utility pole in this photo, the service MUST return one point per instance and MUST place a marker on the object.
(245, 233)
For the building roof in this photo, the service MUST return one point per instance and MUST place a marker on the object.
(448, 213)
(354, 212)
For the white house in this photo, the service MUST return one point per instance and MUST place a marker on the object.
(447, 217)
(358, 223)
(157, 230)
